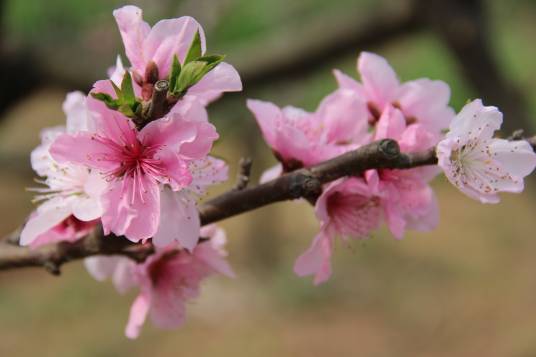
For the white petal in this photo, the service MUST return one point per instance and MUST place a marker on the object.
(476, 121)
(87, 208)
(516, 157)
(75, 109)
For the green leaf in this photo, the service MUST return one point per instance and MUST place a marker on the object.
(193, 71)
(127, 90)
(191, 74)
(195, 49)
(212, 61)
(174, 73)
(107, 99)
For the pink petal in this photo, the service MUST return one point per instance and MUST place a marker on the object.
(391, 124)
(207, 172)
(138, 314)
(426, 217)
(171, 37)
(347, 82)
(132, 208)
(89, 151)
(281, 131)
(316, 260)
(379, 79)
(266, 114)
(321, 205)
(394, 217)
(134, 32)
(213, 259)
(175, 170)
(168, 306)
(416, 138)
(179, 220)
(344, 115)
(170, 131)
(223, 78)
(201, 146)
(427, 101)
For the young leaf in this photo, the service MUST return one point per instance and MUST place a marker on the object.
(174, 73)
(212, 61)
(127, 90)
(107, 99)
(195, 49)
(191, 74)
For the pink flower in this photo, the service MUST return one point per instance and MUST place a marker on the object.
(421, 101)
(145, 45)
(299, 138)
(138, 166)
(167, 279)
(476, 163)
(73, 191)
(348, 207)
(407, 199)
(354, 207)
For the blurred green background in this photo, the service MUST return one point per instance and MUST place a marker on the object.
(466, 289)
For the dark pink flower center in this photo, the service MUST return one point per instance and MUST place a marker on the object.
(137, 159)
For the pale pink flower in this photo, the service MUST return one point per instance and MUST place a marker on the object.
(145, 45)
(299, 138)
(73, 191)
(476, 163)
(348, 207)
(167, 280)
(422, 101)
(136, 165)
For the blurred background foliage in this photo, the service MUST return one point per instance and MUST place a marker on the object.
(466, 289)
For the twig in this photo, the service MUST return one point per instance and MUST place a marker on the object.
(158, 105)
(244, 173)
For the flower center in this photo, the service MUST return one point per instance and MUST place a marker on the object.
(137, 159)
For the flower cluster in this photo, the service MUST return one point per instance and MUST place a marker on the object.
(138, 173)
(134, 157)
(415, 114)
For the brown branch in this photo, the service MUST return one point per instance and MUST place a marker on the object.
(52, 256)
(303, 183)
